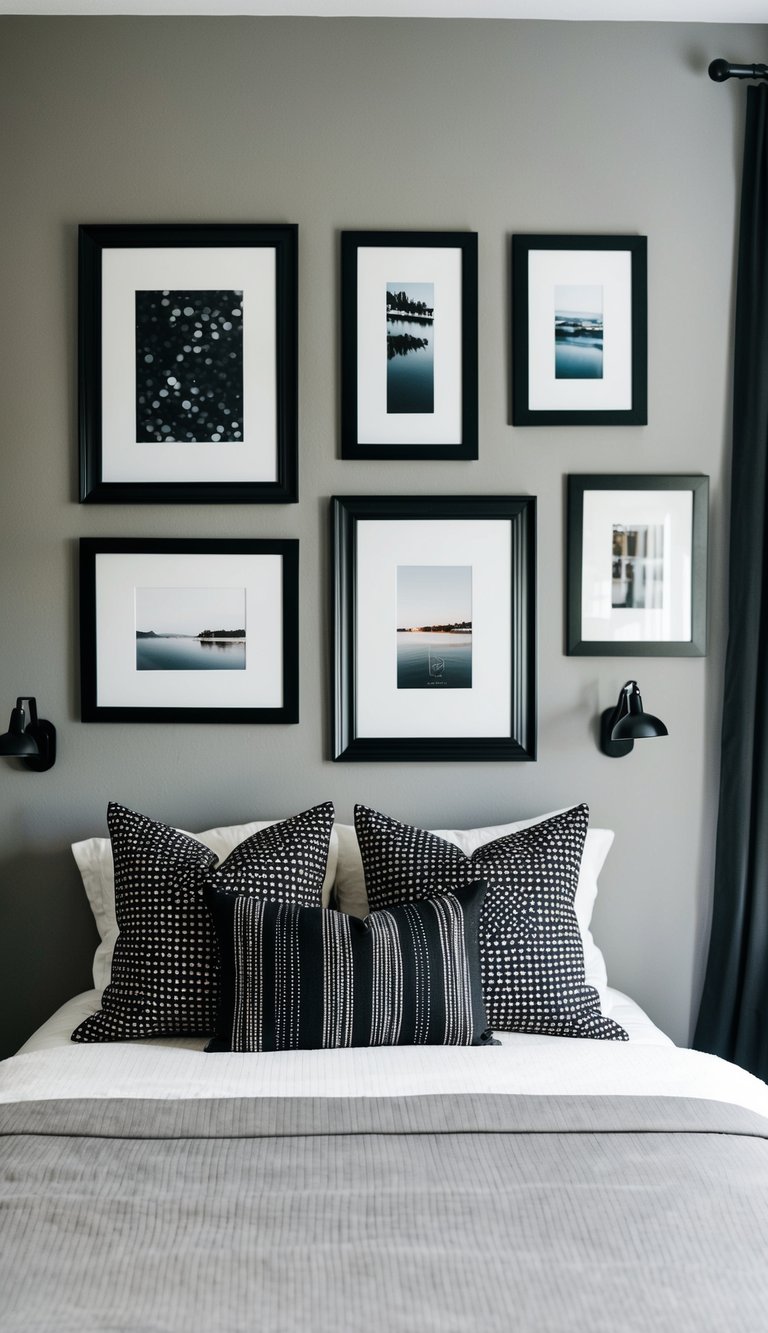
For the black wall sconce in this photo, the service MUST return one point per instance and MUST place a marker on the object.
(33, 742)
(621, 726)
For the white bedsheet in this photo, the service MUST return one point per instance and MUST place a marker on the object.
(58, 1029)
(49, 1066)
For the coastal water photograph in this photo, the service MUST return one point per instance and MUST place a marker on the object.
(578, 332)
(189, 367)
(434, 627)
(410, 347)
(638, 566)
(190, 629)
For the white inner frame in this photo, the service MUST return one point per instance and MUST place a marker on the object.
(382, 710)
(609, 269)
(670, 623)
(250, 269)
(377, 266)
(120, 685)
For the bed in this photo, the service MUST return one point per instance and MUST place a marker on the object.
(541, 1183)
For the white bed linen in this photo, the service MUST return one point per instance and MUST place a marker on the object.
(50, 1066)
(58, 1029)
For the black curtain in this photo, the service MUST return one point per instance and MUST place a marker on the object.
(733, 1018)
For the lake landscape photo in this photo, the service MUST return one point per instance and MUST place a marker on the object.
(410, 347)
(578, 332)
(190, 629)
(189, 367)
(434, 627)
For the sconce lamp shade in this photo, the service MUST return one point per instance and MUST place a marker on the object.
(34, 743)
(621, 726)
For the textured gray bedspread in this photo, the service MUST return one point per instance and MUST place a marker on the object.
(422, 1214)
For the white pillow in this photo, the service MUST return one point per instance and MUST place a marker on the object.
(350, 895)
(94, 861)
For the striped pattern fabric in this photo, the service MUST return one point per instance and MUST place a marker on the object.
(428, 1214)
(307, 978)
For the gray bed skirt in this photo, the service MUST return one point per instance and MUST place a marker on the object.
(420, 1214)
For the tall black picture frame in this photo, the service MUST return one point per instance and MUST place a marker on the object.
(378, 716)
(187, 363)
(409, 345)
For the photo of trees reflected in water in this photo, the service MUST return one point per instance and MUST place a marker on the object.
(410, 347)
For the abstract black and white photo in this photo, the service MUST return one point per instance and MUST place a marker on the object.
(189, 366)
(434, 627)
(578, 332)
(187, 363)
(190, 629)
(410, 347)
(638, 566)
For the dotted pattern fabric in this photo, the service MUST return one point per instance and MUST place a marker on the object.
(531, 952)
(165, 969)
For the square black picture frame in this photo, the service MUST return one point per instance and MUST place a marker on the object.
(578, 367)
(119, 576)
(409, 382)
(187, 363)
(501, 530)
(661, 551)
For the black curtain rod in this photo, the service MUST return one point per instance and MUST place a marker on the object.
(720, 70)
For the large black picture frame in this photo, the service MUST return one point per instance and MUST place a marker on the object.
(675, 507)
(255, 460)
(611, 387)
(113, 573)
(508, 525)
(449, 261)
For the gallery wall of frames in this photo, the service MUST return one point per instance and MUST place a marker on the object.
(188, 394)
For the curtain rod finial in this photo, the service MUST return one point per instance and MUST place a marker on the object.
(720, 70)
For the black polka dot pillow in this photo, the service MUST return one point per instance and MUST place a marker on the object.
(531, 952)
(164, 978)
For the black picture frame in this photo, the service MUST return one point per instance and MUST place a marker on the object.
(677, 567)
(256, 463)
(112, 685)
(449, 429)
(599, 379)
(508, 520)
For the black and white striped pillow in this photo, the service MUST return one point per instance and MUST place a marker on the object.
(298, 978)
(164, 979)
(531, 952)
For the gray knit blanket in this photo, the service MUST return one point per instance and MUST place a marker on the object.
(423, 1214)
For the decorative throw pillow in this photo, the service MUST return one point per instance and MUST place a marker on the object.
(164, 977)
(97, 871)
(349, 885)
(298, 978)
(531, 954)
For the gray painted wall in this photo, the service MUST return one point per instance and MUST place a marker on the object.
(492, 126)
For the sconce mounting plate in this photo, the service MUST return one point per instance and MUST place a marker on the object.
(614, 749)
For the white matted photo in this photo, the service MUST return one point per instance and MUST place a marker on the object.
(193, 631)
(579, 330)
(409, 345)
(188, 363)
(637, 549)
(435, 632)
